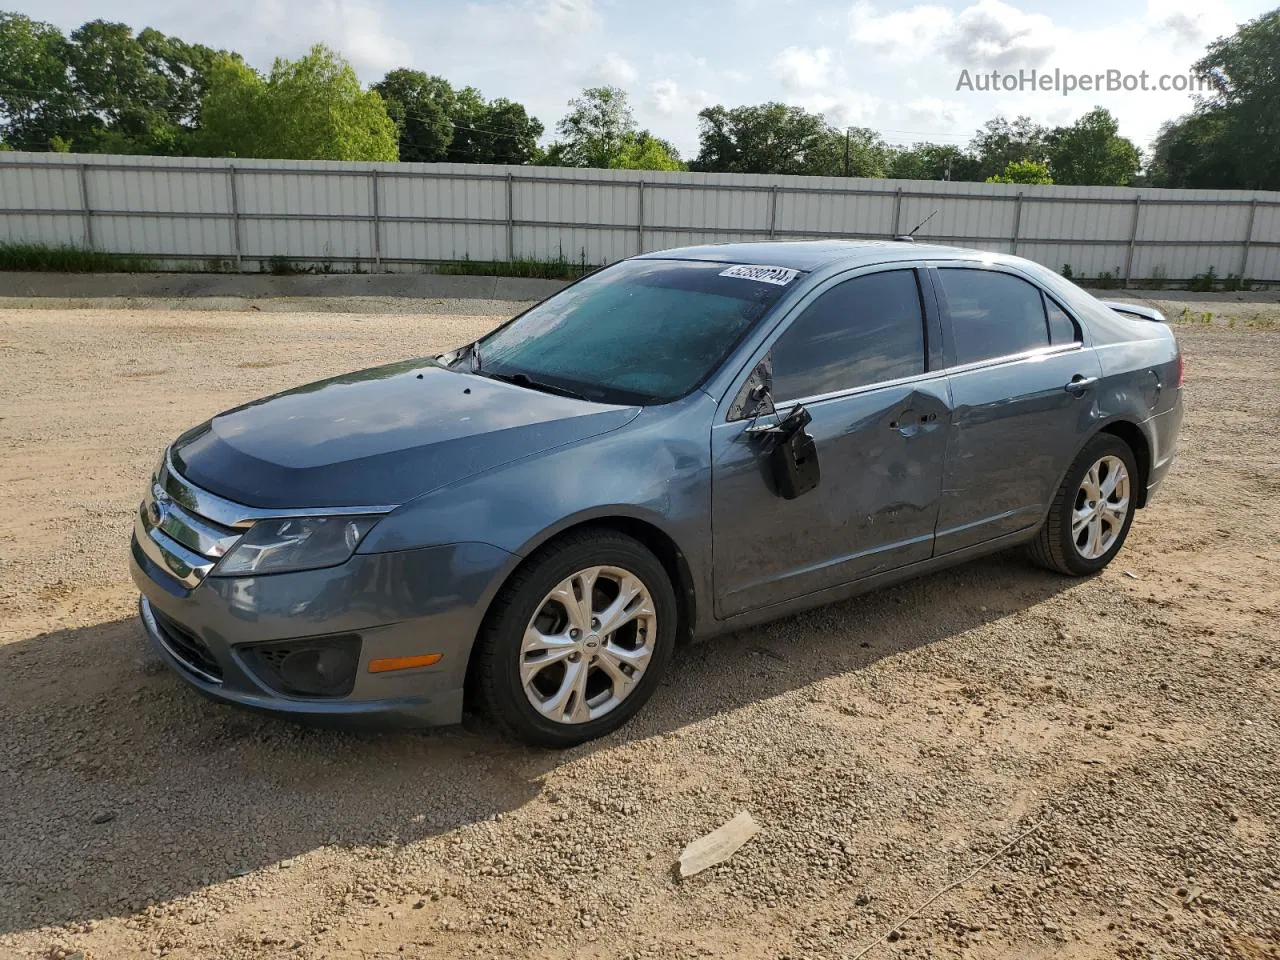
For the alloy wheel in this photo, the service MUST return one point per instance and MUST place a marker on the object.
(1101, 507)
(588, 644)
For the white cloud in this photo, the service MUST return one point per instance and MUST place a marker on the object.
(932, 112)
(908, 33)
(615, 70)
(561, 17)
(842, 107)
(799, 68)
(1189, 22)
(989, 33)
(668, 99)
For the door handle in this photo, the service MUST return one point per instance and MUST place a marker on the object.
(1079, 384)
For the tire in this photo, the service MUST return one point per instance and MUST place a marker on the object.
(643, 645)
(1054, 546)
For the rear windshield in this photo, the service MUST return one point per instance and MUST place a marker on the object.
(640, 331)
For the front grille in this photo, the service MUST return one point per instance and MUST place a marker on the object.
(175, 535)
(187, 647)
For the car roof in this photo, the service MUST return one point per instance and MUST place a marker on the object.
(812, 255)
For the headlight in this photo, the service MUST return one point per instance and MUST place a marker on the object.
(298, 543)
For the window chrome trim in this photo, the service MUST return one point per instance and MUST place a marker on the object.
(228, 513)
(1035, 354)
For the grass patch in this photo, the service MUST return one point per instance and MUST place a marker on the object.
(34, 256)
(559, 268)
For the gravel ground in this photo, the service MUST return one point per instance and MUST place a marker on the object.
(887, 746)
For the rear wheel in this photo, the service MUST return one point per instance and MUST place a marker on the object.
(1092, 511)
(577, 640)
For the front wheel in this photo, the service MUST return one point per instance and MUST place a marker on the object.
(1093, 509)
(577, 640)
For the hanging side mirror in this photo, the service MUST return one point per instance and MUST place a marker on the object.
(794, 456)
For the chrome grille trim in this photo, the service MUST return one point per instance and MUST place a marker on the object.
(228, 513)
(184, 566)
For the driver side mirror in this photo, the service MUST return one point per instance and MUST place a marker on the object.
(792, 453)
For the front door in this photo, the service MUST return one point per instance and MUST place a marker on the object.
(855, 356)
(1022, 381)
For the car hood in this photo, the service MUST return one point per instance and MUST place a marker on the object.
(379, 436)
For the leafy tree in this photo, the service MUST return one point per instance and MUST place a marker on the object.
(597, 127)
(932, 161)
(308, 109)
(1092, 152)
(1192, 151)
(766, 138)
(1022, 171)
(1244, 72)
(644, 151)
(495, 131)
(422, 108)
(1001, 142)
(35, 88)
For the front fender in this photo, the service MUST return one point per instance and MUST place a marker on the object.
(656, 469)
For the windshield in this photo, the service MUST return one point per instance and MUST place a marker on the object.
(640, 331)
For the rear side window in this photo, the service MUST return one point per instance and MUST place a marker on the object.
(862, 331)
(1062, 328)
(993, 314)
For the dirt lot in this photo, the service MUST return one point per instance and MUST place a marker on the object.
(887, 746)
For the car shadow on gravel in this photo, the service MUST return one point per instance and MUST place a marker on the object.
(122, 786)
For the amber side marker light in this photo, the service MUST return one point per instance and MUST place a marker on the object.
(404, 663)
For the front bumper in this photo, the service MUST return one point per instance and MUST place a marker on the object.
(399, 604)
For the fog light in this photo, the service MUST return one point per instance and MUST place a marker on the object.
(323, 667)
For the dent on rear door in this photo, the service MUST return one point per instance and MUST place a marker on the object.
(1015, 430)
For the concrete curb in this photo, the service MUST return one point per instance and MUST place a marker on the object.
(238, 286)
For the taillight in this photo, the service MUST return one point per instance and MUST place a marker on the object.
(1181, 370)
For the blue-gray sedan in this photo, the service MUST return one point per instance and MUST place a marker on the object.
(678, 445)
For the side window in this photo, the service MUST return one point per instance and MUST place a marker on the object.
(1062, 329)
(859, 332)
(993, 314)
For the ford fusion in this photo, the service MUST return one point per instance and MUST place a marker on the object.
(678, 445)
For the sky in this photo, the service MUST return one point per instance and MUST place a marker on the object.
(892, 65)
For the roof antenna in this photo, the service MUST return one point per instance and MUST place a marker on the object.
(911, 237)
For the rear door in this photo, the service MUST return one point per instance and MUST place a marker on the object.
(856, 357)
(1023, 382)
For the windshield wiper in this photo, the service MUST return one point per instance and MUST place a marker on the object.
(524, 380)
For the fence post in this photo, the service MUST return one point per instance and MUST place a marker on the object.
(773, 210)
(235, 215)
(511, 219)
(1017, 223)
(1133, 237)
(640, 217)
(377, 222)
(897, 211)
(85, 209)
(1248, 241)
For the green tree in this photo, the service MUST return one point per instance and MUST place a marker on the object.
(492, 131)
(644, 151)
(35, 86)
(765, 138)
(421, 106)
(1244, 73)
(597, 127)
(1022, 171)
(1092, 152)
(1193, 151)
(308, 109)
(1002, 141)
(932, 161)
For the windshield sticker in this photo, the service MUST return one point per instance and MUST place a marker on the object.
(778, 276)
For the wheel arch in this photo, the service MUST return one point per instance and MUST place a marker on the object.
(657, 540)
(1136, 440)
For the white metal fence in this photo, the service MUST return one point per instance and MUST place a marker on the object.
(243, 214)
